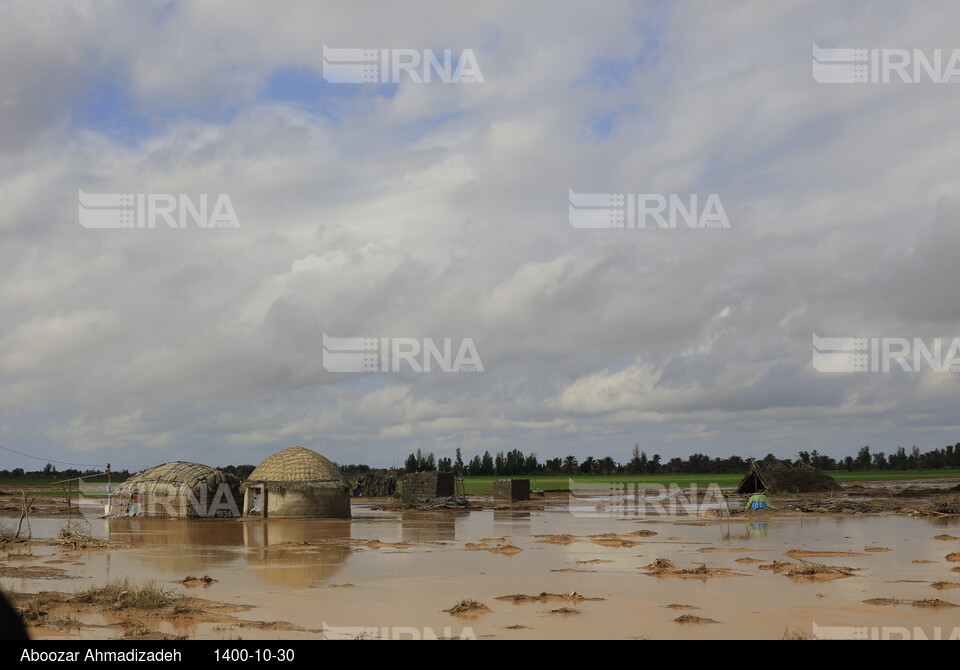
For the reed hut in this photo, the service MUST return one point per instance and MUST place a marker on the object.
(180, 490)
(376, 484)
(784, 478)
(296, 482)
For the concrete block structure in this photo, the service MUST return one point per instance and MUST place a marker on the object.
(511, 490)
(427, 485)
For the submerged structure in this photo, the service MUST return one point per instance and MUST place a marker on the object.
(511, 490)
(419, 486)
(177, 490)
(783, 478)
(296, 482)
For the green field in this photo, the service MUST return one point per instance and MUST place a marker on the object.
(484, 485)
(51, 489)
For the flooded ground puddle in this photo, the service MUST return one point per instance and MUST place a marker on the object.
(403, 569)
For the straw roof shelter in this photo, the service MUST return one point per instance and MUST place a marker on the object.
(784, 478)
(179, 489)
(296, 482)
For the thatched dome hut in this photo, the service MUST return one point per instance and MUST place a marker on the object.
(296, 482)
(178, 490)
(783, 478)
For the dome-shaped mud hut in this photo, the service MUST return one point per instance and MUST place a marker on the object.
(177, 490)
(296, 482)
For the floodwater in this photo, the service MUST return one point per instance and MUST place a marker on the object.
(427, 561)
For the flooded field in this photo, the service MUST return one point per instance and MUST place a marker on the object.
(537, 573)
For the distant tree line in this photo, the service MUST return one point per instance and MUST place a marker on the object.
(241, 471)
(514, 462)
(50, 472)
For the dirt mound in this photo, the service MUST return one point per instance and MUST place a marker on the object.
(467, 607)
(377, 544)
(502, 549)
(190, 580)
(451, 502)
(33, 572)
(801, 553)
(557, 539)
(808, 570)
(943, 586)
(565, 610)
(613, 540)
(545, 597)
(505, 549)
(570, 570)
(658, 566)
(934, 603)
(689, 618)
(664, 568)
(837, 506)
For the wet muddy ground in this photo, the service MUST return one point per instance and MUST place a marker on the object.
(562, 571)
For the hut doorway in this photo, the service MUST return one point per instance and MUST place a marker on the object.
(752, 483)
(257, 501)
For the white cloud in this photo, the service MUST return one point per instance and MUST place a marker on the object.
(439, 211)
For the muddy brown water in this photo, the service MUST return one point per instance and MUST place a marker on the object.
(265, 564)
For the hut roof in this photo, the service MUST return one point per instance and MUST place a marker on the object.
(298, 466)
(784, 478)
(181, 472)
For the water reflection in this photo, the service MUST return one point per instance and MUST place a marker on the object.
(419, 527)
(509, 522)
(179, 546)
(283, 551)
(293, 552)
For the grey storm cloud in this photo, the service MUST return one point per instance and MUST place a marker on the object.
(440, 211)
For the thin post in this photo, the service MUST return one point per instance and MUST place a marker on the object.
(23, 511)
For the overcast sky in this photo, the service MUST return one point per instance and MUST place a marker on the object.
(440, 210)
